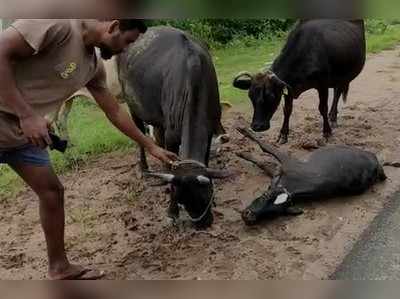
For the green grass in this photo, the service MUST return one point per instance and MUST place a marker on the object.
(10, 184)
(229, 61)
(379, 42)
(92, 133)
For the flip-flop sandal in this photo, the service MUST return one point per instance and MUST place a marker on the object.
(86, 274)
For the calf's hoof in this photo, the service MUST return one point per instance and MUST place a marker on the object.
(294, 211)
(249, 217)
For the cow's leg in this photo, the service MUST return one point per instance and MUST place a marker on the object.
(62, 122)
(172, 146)
(159, 135)
(334, 109)
(323, 109)
(208, 153)
(144, 166)
(287, 111)
(173, 208)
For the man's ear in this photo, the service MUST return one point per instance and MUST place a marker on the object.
(114, 25)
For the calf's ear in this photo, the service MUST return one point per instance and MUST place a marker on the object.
(294, 211)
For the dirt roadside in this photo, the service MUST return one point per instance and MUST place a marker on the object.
(118, 224)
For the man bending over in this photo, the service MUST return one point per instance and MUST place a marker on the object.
(42, 63)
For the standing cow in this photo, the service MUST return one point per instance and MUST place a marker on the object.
(59, 119)
(169, 81)
(319, 54)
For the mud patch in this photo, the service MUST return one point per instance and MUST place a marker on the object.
(117, 222)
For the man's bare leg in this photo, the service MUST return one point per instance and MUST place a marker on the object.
(45, 183)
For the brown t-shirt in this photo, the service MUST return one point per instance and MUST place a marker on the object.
(60, 66)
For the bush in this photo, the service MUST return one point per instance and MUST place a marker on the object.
(220, 32)
(233, 32)
(376, 26)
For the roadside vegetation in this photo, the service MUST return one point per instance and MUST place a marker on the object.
(236, 45)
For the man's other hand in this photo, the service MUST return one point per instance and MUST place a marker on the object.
(36, 129)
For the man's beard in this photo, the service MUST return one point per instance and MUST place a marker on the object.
(105, 52)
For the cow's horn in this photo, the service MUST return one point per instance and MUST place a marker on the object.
(241, 75)
(243, 80)
(203, 180)
(167, 177)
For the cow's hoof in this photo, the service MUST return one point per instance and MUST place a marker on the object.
(334, 124)
(327, 135)
(283, 139)
(139, 173)
(205, 223)
(173, 211)
(144, 168)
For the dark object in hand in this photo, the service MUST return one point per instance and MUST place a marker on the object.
(58, 144)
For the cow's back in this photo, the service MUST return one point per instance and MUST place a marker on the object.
(154, 73)
(330, 49)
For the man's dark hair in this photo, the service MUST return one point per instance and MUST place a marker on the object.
(130, 24)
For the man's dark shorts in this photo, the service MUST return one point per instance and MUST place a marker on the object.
(25, 155)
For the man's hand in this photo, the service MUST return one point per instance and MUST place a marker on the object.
(123, 121)
(36, 129)
(162, 154)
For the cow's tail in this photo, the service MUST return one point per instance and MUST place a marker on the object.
(345, 92)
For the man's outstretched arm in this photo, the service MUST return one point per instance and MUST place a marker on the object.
(121, 119)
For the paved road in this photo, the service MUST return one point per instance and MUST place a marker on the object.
(377, 255)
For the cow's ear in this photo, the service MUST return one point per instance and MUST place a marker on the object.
(286, 91)
(281, 85)
(243, 81)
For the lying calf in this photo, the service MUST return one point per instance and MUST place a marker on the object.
(329, 172)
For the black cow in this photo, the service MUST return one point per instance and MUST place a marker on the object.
(329, 172)
(169, 81)
(319, 54)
